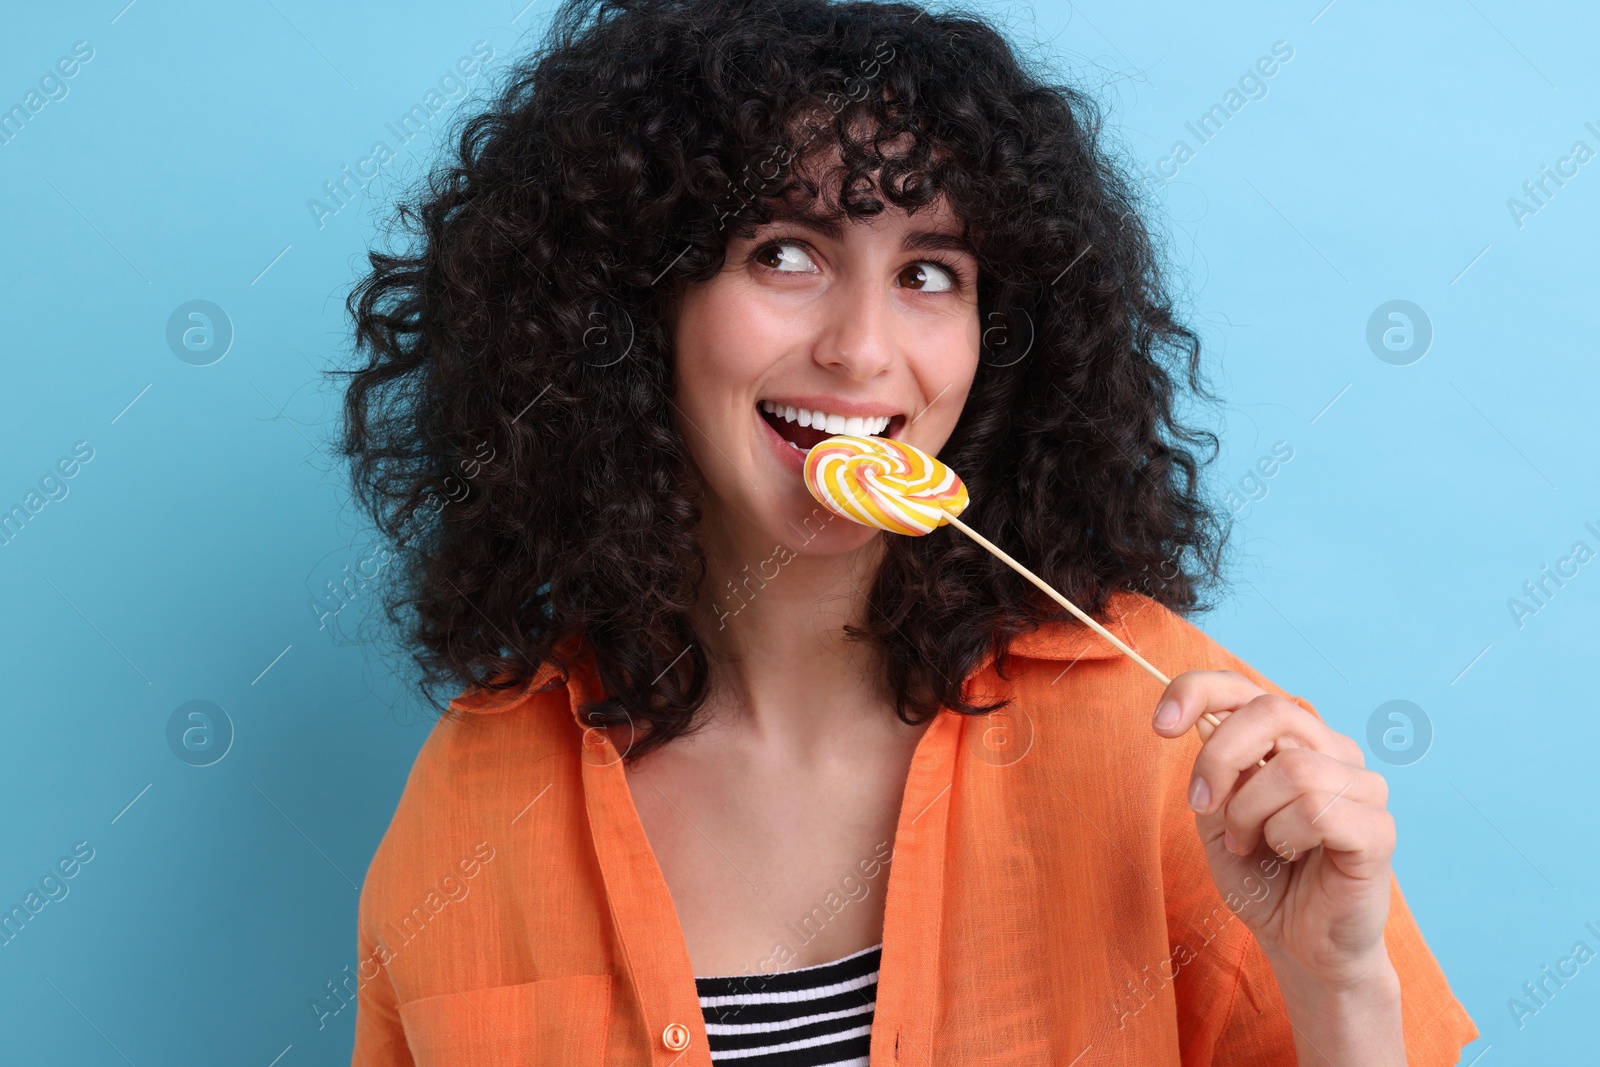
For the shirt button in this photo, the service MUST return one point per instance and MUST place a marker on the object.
(675, 1037)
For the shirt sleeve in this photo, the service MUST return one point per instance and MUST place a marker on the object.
(380, 1037)
(1257, 1032)
(380, 1030)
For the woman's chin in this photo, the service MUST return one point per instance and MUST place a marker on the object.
(813, 530)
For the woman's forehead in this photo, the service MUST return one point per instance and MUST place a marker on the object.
(827, 218)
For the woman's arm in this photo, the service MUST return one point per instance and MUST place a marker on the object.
(1353, 1022)
(1300, 850)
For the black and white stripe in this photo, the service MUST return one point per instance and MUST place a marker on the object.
(811, 1017)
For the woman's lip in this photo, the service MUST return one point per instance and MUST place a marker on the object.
(789, 455)
(792, 456)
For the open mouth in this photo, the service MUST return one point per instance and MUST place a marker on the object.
(804, 429)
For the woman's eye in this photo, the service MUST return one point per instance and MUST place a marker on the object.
(785, 257)
(927, 278)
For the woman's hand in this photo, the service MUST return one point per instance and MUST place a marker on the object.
(1300, 849)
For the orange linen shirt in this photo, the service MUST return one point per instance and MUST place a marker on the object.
(1047, 902)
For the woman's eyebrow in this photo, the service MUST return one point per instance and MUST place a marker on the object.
(937, 241)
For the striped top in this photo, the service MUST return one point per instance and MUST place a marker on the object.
(817, 1016)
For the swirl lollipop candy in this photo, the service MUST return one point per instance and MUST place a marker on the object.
(895, 486)
(882, 482)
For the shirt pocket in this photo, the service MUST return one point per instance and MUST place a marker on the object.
(562, 1022)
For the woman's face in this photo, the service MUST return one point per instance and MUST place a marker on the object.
(875, 320)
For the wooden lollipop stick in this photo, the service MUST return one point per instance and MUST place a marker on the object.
(1070, 606)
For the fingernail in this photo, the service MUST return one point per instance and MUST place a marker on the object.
(1166, 715)
(1199, 794)
(1229, 842)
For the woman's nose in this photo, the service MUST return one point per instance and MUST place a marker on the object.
(860, 336)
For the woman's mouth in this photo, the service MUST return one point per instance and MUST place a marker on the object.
(804, 428)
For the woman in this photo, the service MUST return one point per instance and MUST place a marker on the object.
(732, 779)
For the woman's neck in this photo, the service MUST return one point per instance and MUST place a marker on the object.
(783, 671)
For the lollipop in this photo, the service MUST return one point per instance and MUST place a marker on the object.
(878, 481)
(895, 486)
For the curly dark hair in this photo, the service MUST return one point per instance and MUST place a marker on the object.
(521, 347)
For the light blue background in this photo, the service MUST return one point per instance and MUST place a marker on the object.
(1378, 565)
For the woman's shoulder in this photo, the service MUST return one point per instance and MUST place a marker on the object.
(1077, 724)
(488, 761)
(1164, 638)
(486, 734)
(492, 821)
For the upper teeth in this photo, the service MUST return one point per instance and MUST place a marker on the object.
(855, 425)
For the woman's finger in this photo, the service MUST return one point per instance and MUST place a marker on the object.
(1359, 837)
(1291, 774)
(1193, 693)
(1264, 725)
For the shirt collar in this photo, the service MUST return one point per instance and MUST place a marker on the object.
(484, 700)
(1070, 641)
